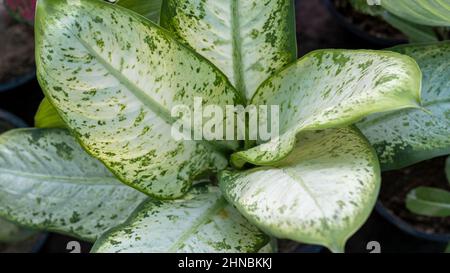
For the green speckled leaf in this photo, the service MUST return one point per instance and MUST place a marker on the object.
(247, 39)
(320, 194)
(150, 9)
(429, 202)
(410, 136)
(423, 12)
(48, 182)
(332, 88)
(47, 116)
(200, 222)
(114, 78)
(11, 233)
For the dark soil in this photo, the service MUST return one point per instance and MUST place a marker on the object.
(372, 25)
(397, 184)
(16, 47)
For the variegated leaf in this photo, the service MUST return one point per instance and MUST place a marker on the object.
(423, 12)
(332, 88)
(410, 136)
(247, 39)
(48, 182)
(320, 194)
(200, 222)
(114, 78)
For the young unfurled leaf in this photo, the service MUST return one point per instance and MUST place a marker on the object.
(430, 13)
(320, 194)
(332, 88)
(11, 233)
(202, 221)
(247, 39)
(48, 182)
(114, 78)
(47, 116)
(410, 136)
(429, 201)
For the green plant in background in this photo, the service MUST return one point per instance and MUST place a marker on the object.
(419, 20)
(430, 201)
(111, 76)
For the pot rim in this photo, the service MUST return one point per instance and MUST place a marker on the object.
(408, 228)
(17, 81)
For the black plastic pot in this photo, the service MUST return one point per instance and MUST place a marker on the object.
(18, 81)
(9, 121)
(289, 246)
(407, 228)
(355, 30)
(40, 243)
(308, 249)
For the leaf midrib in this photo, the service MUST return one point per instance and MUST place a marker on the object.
(434, 204)
(64, 179)
(238, 69)
(141, 95)
(137, 92)
(219, 204)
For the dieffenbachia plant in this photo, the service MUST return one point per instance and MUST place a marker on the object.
(431, 202)
(419, 20)
(111, 78)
